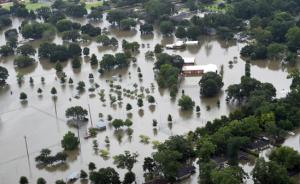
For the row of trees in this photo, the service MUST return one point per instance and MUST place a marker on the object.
(59, 53)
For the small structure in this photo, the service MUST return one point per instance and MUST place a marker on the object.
(176, 45)
(196, 70)
(101, 124)
(188, 61)
(259, 144)
(188, 43)
(73, 177)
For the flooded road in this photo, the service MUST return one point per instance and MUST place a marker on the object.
(44, 127)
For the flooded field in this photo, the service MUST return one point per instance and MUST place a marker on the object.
(42, 120)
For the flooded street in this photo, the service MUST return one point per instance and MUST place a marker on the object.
(44, 126)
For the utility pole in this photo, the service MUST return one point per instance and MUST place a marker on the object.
(90, 115)
(26, 147)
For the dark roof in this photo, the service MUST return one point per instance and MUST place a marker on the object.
(219, 160)
(185, 171)
(258, 143)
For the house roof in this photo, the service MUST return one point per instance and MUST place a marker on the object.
(189, 60)
(185, 171)
(191, 42)
(101, 124)
(204, 68)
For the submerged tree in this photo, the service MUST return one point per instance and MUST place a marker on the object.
(76, 112)
(70, 141)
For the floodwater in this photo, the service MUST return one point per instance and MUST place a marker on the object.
(44, 127)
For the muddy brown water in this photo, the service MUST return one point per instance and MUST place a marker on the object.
(38, 121)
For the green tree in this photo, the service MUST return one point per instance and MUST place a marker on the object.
(3, 75)
(53, 91)
(6, 50)
(146, 28)
(180, 32)
(210, 84)
(158, 49)
(126, 160)
(293, 38)
(155, 9)
(127, 23)
(23, 180)
(76, 63)
(60, 182)
(80, 86)
(41, 181)
(140, 102)
(86, 51)
(186, 103)
(23, 61)
(58, 67)
(83, 174)
(205, 172)
(229, 175)
(167, 161)
(70, 141)
(26, 50)
(193, 32)
(64, 25)
(128, 107)
(276, 50)
(206, 150)
(166, 27)
(23, 96)
(92, 166)
(74, 50)
(117, 123)
(128, 123)
(151, 99)
(105, 176)
(286, 157)
(94, 60)
(269, 173)
(76, 112)
(129, 178)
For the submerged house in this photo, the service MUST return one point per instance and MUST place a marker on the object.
(181, 44)
(196, 70)
(176, 45)
(101, 125)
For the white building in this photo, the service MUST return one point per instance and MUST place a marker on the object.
(195, 70)
(189, 60)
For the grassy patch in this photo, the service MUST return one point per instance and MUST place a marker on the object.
(34, 6)
(7, 5)
(89, 5)
(28, 4)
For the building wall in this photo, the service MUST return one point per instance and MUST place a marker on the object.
(192, 72)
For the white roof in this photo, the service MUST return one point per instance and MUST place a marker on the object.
(191, 42)
(176, 44)
(205, 68)
(74, 175)
(188, 60)
(101, 124)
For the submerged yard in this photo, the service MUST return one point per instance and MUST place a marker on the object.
(42, 120)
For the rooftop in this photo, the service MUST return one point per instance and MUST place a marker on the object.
(189, 60)
(204, 68)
